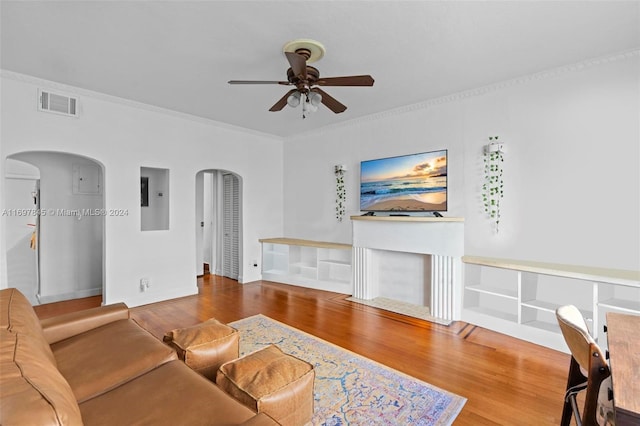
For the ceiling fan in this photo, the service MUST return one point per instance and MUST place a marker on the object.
(307, 80)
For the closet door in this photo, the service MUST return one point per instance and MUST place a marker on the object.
(231, 226)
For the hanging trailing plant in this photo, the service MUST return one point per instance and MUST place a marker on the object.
(493, 187)
(341, 195)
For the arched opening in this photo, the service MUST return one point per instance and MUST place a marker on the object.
(58, 199)
(219, 223)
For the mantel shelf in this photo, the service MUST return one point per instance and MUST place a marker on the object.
(409, 218)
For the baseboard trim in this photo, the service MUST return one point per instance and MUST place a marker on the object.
(79, 294)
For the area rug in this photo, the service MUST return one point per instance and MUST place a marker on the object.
(409, 309)
(351, 389)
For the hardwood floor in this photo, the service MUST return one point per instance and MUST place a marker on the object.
(506, 381)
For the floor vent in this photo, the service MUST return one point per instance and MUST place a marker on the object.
(57, 103)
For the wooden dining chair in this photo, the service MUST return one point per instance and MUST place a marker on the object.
(588, 371)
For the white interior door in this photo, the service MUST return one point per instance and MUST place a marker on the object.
(208, 217)
(199, 225)
(231, 226)
(22, 202)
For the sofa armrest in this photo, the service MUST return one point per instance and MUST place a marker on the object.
(261, 419)
(67, 325)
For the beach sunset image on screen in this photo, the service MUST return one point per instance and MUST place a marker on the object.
(408, 183)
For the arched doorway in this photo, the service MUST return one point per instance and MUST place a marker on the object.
(219, 223)
(66, 226)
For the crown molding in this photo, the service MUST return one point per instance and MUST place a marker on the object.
(454, 97)
(479, 91)
(73, 90)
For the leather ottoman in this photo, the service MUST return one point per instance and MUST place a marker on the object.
(271, 382)
(205, 346)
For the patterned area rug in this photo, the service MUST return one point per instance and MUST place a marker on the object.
(351, 389)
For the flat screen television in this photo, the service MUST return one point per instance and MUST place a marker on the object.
(407, 183)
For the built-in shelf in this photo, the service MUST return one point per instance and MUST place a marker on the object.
(588, 273)
(542, 305)
(543, 325)
(334, 262)
(501, 292)
(274, 271)
(314, 264)
(520, 297)
(622, 305)
(494, 313)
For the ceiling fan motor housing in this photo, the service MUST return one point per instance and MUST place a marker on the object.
(303, 85)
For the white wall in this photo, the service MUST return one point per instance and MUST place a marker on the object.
(123, 137)
(572, 180)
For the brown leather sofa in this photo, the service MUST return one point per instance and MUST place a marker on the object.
(99, 367)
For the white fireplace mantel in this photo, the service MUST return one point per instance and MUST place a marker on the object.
(441, 238)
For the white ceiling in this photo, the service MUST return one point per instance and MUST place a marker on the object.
(179, 55)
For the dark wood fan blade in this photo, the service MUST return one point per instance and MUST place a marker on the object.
(298, 64)
(282, 102)
(353, 80)
(329, 101)
(286, 83)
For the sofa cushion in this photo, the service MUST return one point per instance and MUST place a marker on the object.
(33, 391)
(172, 394)
(98, 360)
(17, 315)
(67, 325)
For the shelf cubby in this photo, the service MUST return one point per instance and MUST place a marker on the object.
(313, 264)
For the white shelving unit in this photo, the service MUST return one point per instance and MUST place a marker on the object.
(520, 298)
(313, 264)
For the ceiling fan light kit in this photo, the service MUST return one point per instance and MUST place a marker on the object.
(294, 99)
(306, 79)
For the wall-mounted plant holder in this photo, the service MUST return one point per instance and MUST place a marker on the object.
(494, 147)
(493, 186)
(341, 194)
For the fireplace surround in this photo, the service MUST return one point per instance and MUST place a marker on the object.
(438, 241)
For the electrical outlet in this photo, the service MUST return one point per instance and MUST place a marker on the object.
(145, 283)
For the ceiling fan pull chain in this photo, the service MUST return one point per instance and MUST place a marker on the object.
(305, 108)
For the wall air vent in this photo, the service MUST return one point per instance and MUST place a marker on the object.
(57, 103)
